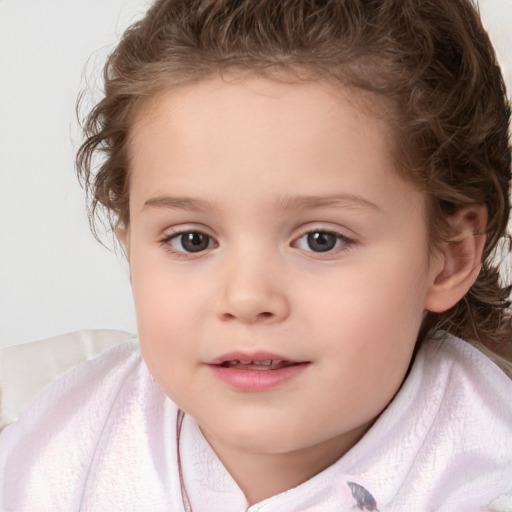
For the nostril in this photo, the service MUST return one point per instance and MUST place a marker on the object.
(251, 307)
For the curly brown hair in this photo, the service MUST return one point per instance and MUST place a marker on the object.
(431, 60)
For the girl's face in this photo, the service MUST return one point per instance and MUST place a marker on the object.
(279, 264)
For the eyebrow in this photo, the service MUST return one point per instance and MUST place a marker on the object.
(179, 203)
(311, 202)
(305, 202)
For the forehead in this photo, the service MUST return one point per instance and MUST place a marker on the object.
(303, 108)
(239, 133)
(213, 99)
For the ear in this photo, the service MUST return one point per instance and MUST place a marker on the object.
(459, 261)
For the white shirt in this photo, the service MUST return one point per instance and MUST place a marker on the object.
(104, 438)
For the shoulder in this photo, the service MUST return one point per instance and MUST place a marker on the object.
(447, 434)
(450, 384)
(468, 374)
(46, 454)
(464, 409)
(467, 395)
(27, 368)
(91, 382)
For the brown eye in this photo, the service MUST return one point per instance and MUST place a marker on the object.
(191, 242)
(321, 241)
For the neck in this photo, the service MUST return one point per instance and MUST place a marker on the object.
(262, 475)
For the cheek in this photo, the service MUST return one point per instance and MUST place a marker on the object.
(167, 308)
(371, 318)
(165, 322)
(163, 292)
(373, 298)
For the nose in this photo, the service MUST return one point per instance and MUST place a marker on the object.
(252, 291)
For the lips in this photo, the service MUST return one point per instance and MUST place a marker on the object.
(257, 372)
(267, 364)
(254, 361)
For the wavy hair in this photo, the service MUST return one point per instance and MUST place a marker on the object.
(431, 60)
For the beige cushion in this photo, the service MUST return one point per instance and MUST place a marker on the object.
(27, 368)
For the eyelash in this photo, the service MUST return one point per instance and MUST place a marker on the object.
(342, 243)
(167, 240)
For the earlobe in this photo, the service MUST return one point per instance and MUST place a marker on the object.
(459, 261)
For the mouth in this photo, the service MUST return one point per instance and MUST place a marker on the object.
(260, 365)
(259, 361)
(256, 372)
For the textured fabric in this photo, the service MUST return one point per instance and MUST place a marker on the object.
(104, 438)
(27, 368)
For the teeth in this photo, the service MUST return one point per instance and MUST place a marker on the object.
(266, 364)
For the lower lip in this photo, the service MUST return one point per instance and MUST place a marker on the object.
(255, 381)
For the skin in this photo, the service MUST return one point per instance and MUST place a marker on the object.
(264, 163)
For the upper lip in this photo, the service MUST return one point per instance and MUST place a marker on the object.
(251, 356)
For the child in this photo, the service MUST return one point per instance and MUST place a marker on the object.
(311, 195)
